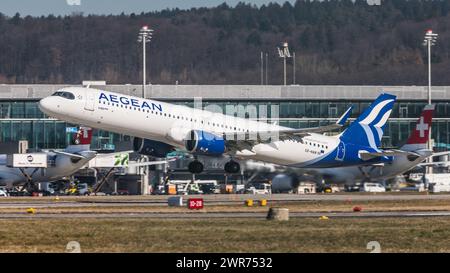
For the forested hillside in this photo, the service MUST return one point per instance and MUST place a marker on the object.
(336, 42)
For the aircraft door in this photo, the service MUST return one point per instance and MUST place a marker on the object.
(90, 100)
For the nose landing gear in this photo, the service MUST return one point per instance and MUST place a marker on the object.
(195, 167)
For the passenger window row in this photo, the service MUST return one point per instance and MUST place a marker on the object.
(316, 145)
(171, 116)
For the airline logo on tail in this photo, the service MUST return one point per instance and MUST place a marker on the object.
(367, 130)
(421, 131)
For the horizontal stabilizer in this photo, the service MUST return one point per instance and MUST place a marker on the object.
(364, 155)
(441, 153)
(437, 164)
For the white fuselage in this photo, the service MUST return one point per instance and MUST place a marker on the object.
(171, 124)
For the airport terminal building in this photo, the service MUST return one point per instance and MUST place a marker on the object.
(296, 106)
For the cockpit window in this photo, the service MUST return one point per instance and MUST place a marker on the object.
(66, 95)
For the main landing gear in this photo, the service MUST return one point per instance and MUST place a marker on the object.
(230, 167)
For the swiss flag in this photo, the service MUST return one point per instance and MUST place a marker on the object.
(83, 136)
(420, 132)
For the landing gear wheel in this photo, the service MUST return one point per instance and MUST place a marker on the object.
(232, 167)
(195, 167)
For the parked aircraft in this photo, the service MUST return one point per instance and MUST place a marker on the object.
(59, 163)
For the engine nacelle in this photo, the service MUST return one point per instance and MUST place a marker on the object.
(284, 183)
(151, 147)
(206, 143)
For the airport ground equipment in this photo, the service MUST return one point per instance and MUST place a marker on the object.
(175, 201)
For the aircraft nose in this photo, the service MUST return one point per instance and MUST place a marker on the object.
(45, 105)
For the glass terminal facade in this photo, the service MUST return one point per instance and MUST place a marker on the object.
(22, 120)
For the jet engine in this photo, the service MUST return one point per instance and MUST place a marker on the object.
(284, 182)
(206, 143)
(151, 147)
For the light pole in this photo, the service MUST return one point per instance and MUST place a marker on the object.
(145, 36)
(284, 53)
(293, 68)
(429, 40)
(267, 68)
(262, 68)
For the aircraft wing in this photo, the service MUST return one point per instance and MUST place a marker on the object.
(246, 140)
(77, 156)
(321, 129)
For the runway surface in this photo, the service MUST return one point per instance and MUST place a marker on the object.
(64, 204)
(203, 215)
(211, 199)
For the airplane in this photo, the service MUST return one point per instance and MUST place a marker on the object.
(159, 128)
(60, 163)
(410, 155)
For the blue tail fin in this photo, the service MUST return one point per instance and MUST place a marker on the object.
(367, 129)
